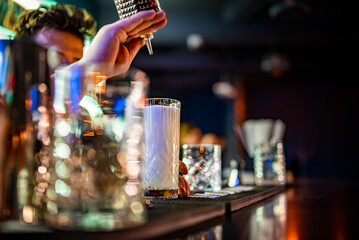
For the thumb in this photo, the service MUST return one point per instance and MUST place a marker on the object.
(134, 45)
(182, 168)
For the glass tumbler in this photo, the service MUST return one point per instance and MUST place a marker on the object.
(95, 151)
(204, 166)
(24, 90)
(161, 147)
(269, 164)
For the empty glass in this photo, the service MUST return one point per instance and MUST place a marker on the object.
(94, 157)
(269, 164)
(24, 85)
(204, 166)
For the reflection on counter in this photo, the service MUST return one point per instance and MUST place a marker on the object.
(269, 221)
(213, 233)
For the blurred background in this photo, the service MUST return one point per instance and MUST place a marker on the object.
(228, 61)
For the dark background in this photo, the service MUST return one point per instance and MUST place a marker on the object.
(317, 97)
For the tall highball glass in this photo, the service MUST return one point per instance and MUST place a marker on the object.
(161, 147)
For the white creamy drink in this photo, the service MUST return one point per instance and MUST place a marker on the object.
(161, 148)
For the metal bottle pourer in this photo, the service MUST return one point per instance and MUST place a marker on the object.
(148, 38)
(126, 8)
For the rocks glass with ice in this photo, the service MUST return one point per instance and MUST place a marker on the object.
(161, 147)
(204, 166)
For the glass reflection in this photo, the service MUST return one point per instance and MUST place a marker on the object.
(213, 233)
(269, 221)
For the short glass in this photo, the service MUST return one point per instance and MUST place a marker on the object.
(161, 147)
(269, 164)
(204, 166)
(94, 157)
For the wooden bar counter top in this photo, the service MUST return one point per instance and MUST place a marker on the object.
(304, 209)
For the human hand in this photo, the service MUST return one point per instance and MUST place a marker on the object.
(118, 43)
(183, 187)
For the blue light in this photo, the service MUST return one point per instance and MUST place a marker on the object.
(2, 64)
(75, 86)
(34, 99)
(119, 106)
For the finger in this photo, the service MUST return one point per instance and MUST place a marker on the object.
(182, 168)
(150, 29)
(134, 45)
(122, 64)
(146, 24)
(188, 189)
(181, 186)
(181, 182)
(128, 24)
(120, 28)
(182, 191)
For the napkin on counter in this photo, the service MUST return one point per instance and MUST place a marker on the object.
(262, 132)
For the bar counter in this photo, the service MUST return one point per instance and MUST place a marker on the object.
(305, 209)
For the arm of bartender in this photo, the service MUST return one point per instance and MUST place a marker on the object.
(64, 27)
(109, 43)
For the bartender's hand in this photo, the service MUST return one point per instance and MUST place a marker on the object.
(118, 43)
(183, 187)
